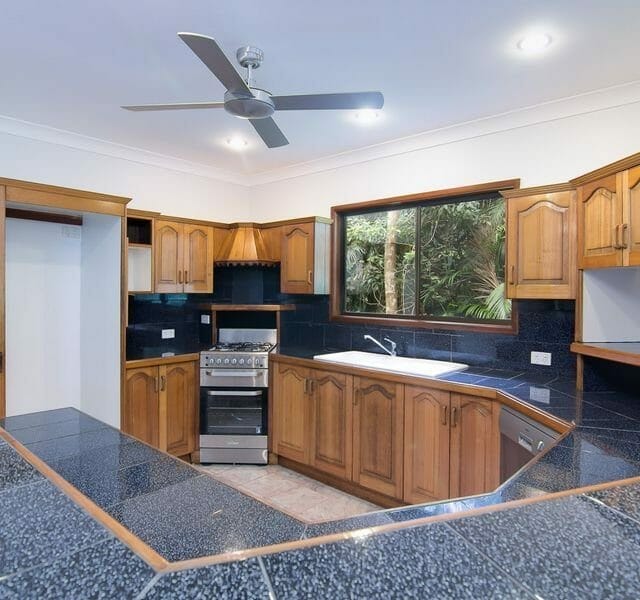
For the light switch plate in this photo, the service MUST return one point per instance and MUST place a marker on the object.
(167, 334)
(205, 319)
(541, 358)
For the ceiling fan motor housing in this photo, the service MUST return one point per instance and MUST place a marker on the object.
(258, 106)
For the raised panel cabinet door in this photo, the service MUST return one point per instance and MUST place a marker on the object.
(631, 234)
(168, 242)
(140, 411)
(600, 223)
(541, 258)
(475, 446)
(332, 423)
(296, 266)
(291, 413)
(272, 237)
(198, 259)
(178, 407)
(378, 417)
(426, 444)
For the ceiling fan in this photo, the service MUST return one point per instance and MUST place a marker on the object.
(252, 103)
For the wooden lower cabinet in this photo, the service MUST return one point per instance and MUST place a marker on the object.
(475, 445)
(160, 406)
(291, 413)
(426, 444)
(378, 417)
(331, 431)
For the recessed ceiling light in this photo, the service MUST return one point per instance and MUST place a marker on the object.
(534, 42)
(237, 143)
(366, 116)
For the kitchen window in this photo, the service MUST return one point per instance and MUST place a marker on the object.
(432, 261)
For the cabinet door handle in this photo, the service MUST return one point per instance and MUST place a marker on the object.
(512, 276)
(454, 416)
(616, 237)
(186, 276)
(306, 386)
(156, 385)
(310, 277)
(179, 275)
(163, 383)
(312, 386)
(624, 230)
(444, 415)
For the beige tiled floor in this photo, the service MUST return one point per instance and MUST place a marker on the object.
(299, 496)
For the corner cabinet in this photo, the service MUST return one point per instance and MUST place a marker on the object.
(160, 404)
(304, 257)
(541, 242)
(184, 257)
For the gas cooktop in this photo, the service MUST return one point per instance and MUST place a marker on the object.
(241, 347)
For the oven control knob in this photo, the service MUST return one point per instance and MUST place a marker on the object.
(226, 361)
(218, 361)
(249, 361)
(241, 361)
(233, 361)
(257, 362)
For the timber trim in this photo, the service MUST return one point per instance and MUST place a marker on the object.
(535, 191)
(162, 360)
(610, 169)
(615, 355)
(37, 215)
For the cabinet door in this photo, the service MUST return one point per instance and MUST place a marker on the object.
(178, 408)
(378, 435)
(475, 446)
(332, 423)
(168, 257)
(541, 257)
(426, 444)
(198, 259)
(631, 234)
(272, 237)
(296, 267)
(291, 413)
(599, 223)
(140, 410)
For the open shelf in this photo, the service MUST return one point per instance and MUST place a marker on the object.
(248, 307)
(622, 352)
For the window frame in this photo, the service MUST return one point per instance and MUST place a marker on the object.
(338, 213)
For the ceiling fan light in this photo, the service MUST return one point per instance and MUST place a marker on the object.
(534, 42)
(366, 116)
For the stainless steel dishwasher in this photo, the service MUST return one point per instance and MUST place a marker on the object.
(521, 438)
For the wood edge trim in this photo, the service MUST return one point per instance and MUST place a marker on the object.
(163, 360)
(467, 190)
(37, 215)
(142, 214)
(134, 543)
(248, 307)
(358, 533)
(163, 217)
(585, 349)
(611, 169)
(55, 189)
(535, 191)
(316, 219)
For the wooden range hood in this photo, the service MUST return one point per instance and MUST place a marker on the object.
(244, 246)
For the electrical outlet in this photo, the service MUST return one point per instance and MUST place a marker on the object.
(541, 358)
(542, 395)
(167, 334)
(205, 319)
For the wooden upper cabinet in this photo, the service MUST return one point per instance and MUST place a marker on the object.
(179, 406)
(168, 243)
(378, 417)
(426, 444)
(297, 258)
(198, 258)
(600, 219)
(291, 413)
(184, 257)
(140, 410)
(272, 237)
(332, 423)
(541, 243)
(631, 234)
(475, 445)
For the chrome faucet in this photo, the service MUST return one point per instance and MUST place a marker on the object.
(393, 345)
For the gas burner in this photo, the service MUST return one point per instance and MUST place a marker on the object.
(242, 347)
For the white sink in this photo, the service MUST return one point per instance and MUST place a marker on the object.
(396, 364)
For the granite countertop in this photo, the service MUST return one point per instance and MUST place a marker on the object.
(576, 544)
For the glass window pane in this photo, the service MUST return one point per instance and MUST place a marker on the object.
(462, 260)
(379, 262)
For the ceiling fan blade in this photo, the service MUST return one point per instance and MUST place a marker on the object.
(208, 51)
(269, 132)
(177, 106)
(355, 100)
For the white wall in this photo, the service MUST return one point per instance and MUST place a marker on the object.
(42, 308)
(548, 152)
(151, 187)
(100, 317)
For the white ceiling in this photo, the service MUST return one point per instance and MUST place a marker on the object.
(71, 64)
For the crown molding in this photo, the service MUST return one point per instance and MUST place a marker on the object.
(589, 102)
(44, 133)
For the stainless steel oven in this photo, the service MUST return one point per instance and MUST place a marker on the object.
(234, 397)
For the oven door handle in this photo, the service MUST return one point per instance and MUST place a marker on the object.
(233, 393)
(230, 373)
